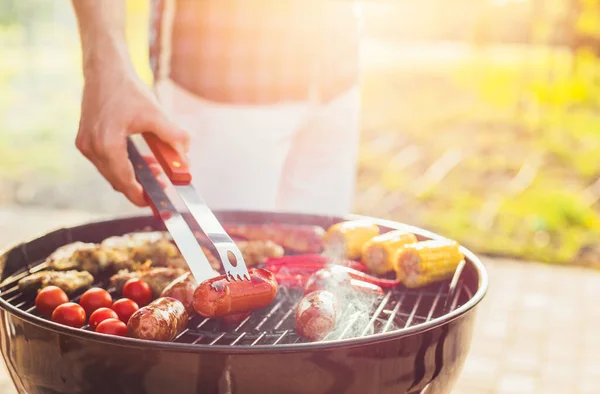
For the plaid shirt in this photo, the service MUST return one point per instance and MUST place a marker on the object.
(256, 51)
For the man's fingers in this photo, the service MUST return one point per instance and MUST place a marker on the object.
(117, 169)
(169, 132)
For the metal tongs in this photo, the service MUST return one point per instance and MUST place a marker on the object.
(179, 175)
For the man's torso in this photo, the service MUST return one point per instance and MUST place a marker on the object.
(256, 51)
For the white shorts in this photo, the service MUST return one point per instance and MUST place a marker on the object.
(297, 156)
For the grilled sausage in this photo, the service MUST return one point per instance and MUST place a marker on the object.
(337, 280)
(316, 315)
(161, 320)
(218, 296)
(182, 289)
(299, 238)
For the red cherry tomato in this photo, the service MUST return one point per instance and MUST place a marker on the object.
(138, 291)
(112, 327)
(95, 298)
(49, 298)
(69, 314)
(124, 308)
(100, 315)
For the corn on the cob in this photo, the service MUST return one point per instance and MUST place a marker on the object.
(426, 262)
(378, 252)
(346, 239)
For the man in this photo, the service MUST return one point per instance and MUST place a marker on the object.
(262, 95)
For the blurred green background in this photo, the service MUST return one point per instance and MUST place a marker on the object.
(480, 119)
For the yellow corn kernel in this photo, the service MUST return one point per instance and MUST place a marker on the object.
(378, 252)
(346, 239)
(426, 262)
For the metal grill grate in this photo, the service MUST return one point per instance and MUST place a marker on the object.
(398, 309)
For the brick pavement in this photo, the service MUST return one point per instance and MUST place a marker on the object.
(536, 330)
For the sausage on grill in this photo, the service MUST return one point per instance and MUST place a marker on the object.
(217, 297)
(182, 289)
(161, 320)
(300, 238)
(316, 315)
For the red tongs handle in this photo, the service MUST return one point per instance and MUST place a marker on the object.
(169, 159)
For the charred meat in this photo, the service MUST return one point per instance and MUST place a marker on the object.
(70, 281)
(157, 278)
(257, 252)
(84, 256)
(139, 247)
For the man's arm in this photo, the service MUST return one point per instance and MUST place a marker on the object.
(102, 33)
(116, 103)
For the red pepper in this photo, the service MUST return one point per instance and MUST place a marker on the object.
(309, 263)
(354, 274)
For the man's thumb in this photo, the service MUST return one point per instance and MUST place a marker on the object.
(170, 133)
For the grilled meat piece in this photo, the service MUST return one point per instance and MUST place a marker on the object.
(256, 252)
(299, 238)
(86, 257)
(182, 289)
(161, 320)
(157, 278)
(70, 281)
(139, 247)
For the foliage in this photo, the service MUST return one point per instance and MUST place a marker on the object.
(506, 110)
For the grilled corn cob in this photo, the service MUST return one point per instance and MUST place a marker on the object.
(378, 252)
(426, 262)
(346, 239)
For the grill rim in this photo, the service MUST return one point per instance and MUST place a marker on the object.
(141, 344)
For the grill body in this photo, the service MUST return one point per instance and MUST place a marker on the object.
(43, 357)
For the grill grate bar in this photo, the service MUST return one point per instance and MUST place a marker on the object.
(11, 290)
(271, 313)
(262, 334)
(393, 314)
(414, 311)
(351, 322)
(13, 279)
(242, 323)
(283, 319)
(342, 317)
(434, 303)
(456, 297)
(280, 337)
(217, 338)
(206, 319)
(377, 313)
(236, 340)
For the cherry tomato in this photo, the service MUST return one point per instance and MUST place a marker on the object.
(112, 327)
(100, 315)
(69, 314)
(49, 298)
(95, 298)
(124, 308)
(138, 291)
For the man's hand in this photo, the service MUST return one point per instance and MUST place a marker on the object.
(117, 104)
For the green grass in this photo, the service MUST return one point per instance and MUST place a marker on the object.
(501, 108)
